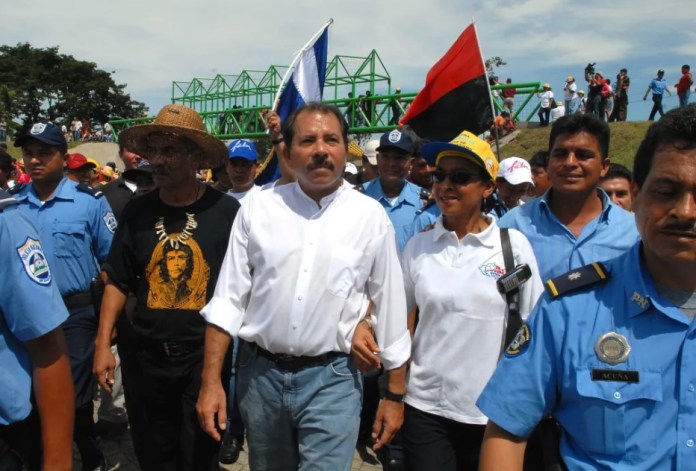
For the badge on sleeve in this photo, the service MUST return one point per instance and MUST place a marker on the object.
(520, 343)
(612, 348)
(110, 221)
(34, 261)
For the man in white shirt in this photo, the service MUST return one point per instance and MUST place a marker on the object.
(302, 261)
(241, 168)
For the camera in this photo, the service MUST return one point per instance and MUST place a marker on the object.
(590, 70)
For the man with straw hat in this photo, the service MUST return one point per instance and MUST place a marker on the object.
(168, 251)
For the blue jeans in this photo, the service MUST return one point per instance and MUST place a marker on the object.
(684, 97)
(235, 424)
(306, 419)
(572, 106)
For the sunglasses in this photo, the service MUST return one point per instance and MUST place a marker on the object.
(457, 177)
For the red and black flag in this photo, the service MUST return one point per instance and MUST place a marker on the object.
(456, 95)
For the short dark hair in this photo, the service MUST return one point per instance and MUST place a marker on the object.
(578, 122)
(6, 162)
(540, 159)
(617, 171)
(290, 124)
(677, 128)
(686, 67)
(624, 70)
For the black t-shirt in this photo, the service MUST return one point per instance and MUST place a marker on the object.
(170, 257)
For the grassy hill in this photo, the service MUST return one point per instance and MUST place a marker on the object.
(625, 139)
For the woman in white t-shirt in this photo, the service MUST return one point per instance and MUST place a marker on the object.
(450, 276)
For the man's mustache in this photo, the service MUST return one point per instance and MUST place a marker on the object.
(321, 161)
(679, 226)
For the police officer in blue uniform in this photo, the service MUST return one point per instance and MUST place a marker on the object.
(76, 226)
(31, 343)
(610, 350)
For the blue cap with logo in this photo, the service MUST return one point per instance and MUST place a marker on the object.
(47, 133)
(397, 140)
(242, 148)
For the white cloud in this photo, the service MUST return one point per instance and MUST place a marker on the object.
(152, 43)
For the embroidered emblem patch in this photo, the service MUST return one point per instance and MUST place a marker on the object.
(37, 129)
(394, 136)
(110, 221)
(640, 300)
(520, 343)
(34, 261)
(492, 270)
(612, 348)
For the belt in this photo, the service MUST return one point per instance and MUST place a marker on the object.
(295, 363)
(77, 300)
(172, 349)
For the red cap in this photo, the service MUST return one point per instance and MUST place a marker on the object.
(77, 161)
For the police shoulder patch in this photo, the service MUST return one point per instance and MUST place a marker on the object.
(16, 189)
(520, 343)
(34, 261)
(89, 190)
(110, 221)
(576, 279)
(6, 200)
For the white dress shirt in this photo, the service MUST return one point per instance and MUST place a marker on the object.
(296, 274)
(461, 315)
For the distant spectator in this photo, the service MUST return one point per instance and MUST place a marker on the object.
(620, 111)
(571, 100)
(352, 115)
(514, 180)
(76, 129)
(539, 162)
(547, 102)
(582, 108)
(7, 170)
(607, 99)
(108, 135)
(79, 169)
(395, 106)
(684, 85)
(3, 130)
(509, 98)
(594, 95)
(368, 106)
(658, 86)
(558, 111)
(617, 185)
(504, 123)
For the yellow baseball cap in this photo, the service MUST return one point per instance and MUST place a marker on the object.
(465, 145)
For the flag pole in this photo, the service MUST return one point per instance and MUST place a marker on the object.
(294, 62)
(490, 93)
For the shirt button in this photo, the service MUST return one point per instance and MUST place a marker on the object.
(691, 387)
(295, 326)
(617, 395)
(690, 443)
(299, 298)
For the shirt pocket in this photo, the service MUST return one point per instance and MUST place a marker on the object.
(344, 272)
(612, 413)
(69, 239)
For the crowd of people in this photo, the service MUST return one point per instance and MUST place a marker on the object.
(441, 306)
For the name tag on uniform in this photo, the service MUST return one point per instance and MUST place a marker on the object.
(621, 376)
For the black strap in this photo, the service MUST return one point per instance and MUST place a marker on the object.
(513, 319)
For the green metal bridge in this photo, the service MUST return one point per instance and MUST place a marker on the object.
(233, 106)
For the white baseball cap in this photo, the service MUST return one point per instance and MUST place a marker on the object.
(351, 168)
(371, 151)
(515, 170)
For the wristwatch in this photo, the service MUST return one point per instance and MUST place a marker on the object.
(390, 396)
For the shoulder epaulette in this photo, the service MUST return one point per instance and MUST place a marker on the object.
(97, 193)
(6, 200)
(428, 204)
(424, 194)
(576, 279)
(16, 189)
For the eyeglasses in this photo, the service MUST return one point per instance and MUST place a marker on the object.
(457, 177)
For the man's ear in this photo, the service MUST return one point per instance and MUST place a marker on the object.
(605, 167)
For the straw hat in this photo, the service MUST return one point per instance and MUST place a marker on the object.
(183, 121)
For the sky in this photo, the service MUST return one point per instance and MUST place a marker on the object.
(151, 43)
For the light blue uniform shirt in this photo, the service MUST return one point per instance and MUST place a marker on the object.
(76, 229)
(658, 86)
(425, 218)
(403, 212)
(30, 306)
(607, 424)
(557, 250)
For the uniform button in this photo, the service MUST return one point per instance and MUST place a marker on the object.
(691, 387)
(690, 443)
(299, 298)
(617, 395)
(295, 326)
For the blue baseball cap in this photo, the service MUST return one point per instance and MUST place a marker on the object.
(397, 140)
(47, 133)
(242, 148)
